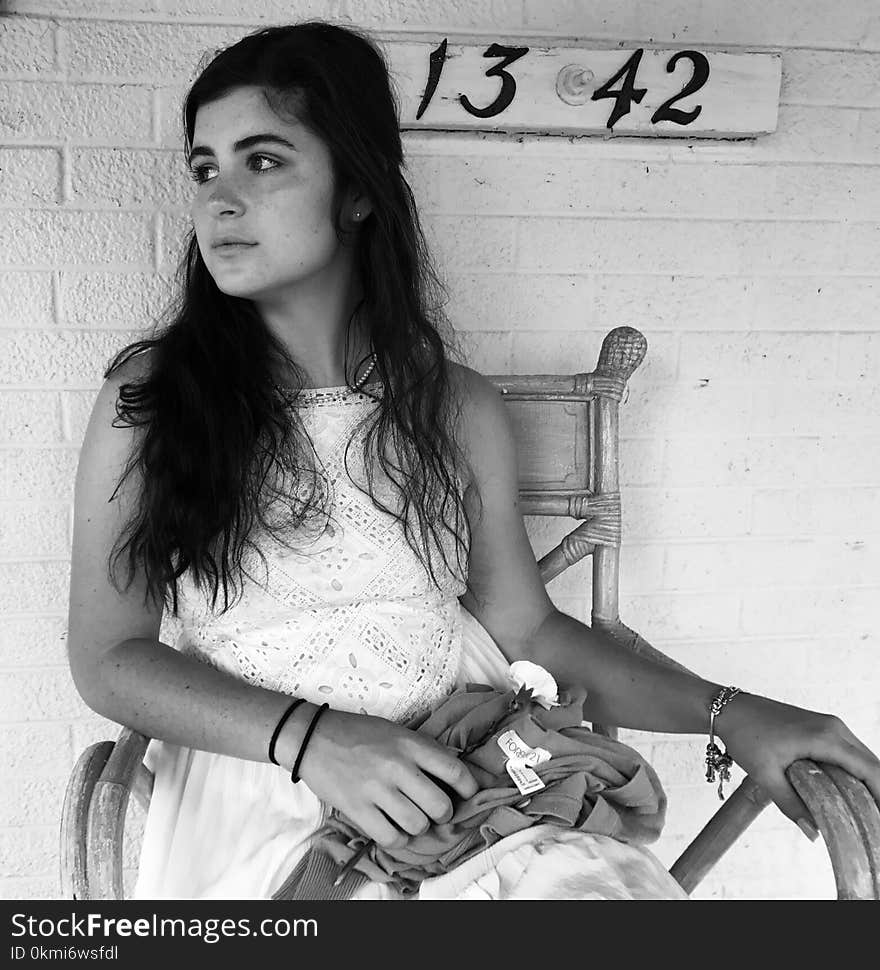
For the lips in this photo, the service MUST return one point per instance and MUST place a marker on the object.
(232, 243)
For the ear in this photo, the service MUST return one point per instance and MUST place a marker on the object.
(359, 206)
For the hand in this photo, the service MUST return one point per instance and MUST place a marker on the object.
(765, 736)
(377, 773)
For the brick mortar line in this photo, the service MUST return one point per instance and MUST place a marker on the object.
(32, 668)
(428, 152)
(67, 195)
(569, 214)
(57, 302)
(528, 34)
(586, 215)
(130, 268)
(816, 275)
(534, 138)
(66, 722)
(156, 122)
(828, 277)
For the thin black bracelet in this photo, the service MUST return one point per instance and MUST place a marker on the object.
(280, 725)
(294, 776)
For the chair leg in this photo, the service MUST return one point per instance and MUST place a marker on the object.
(740, 809)
(74, 820)
(142, 788)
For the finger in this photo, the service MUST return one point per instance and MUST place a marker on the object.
(431, 795)
(855, 758)
(404, 813)
(377, 826)
(792, 806)
(833, 749)
(439, 761)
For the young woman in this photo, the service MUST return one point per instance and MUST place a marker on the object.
(328, 506)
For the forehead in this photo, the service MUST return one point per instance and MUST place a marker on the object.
(240, 112)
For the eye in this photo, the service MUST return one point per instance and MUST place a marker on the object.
(198, 172)
(265, 158)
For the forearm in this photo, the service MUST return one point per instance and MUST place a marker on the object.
(623, 688)
(153, 688)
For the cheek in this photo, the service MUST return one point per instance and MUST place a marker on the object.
(304, 227)
(200, 225)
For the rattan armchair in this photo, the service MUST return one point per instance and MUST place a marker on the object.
(567, 439)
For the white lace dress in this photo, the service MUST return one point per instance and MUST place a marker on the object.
(357, 623)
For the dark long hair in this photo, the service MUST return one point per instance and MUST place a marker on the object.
(217, 433)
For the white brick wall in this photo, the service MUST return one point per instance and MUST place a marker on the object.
(749, 452)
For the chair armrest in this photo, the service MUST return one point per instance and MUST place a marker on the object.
(845, 812)
(106, 821)
(849, 821)
(74, 819)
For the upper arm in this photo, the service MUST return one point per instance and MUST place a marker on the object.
(100, 616)
(505, 591)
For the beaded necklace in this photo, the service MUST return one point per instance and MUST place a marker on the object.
(313, 395)
(359, 383)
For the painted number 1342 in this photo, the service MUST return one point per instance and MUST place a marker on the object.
(623, 96)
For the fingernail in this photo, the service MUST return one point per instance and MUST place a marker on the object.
(810, 831)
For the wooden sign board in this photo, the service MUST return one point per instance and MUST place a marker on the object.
(684, 93)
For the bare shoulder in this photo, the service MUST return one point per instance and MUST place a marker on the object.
(471, 382)
(134, 368)
(486, 434)
(481, 400)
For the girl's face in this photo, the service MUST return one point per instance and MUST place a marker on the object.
(267, 183)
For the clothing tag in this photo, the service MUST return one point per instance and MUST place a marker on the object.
(524, 777)
(517, 750)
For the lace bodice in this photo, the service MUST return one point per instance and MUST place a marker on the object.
(350, 617)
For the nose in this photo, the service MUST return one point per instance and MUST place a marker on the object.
(224, 197)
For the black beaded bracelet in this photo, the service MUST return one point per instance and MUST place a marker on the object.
(294, 774)
(280, 725)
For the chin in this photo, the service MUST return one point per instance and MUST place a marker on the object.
(238, 288)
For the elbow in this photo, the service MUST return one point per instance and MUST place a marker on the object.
(537, 637)
(85, 682)
(85, 671)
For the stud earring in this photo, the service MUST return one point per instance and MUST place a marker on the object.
(357, 214)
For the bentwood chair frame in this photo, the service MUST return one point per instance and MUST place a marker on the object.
(567, 438)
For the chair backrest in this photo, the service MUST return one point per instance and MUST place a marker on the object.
(568, 447)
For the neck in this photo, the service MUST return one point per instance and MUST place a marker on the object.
(311, 320)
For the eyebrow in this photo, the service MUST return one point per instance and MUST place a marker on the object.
(243, 143)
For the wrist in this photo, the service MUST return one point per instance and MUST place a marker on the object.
(295, 774)
(291, 737)
(732, 717)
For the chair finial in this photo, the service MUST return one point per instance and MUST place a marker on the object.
(623, 349)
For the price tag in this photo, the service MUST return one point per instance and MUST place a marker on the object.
(517, 750)
(525, 779)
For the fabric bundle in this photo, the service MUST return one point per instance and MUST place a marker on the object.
(535, 762)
